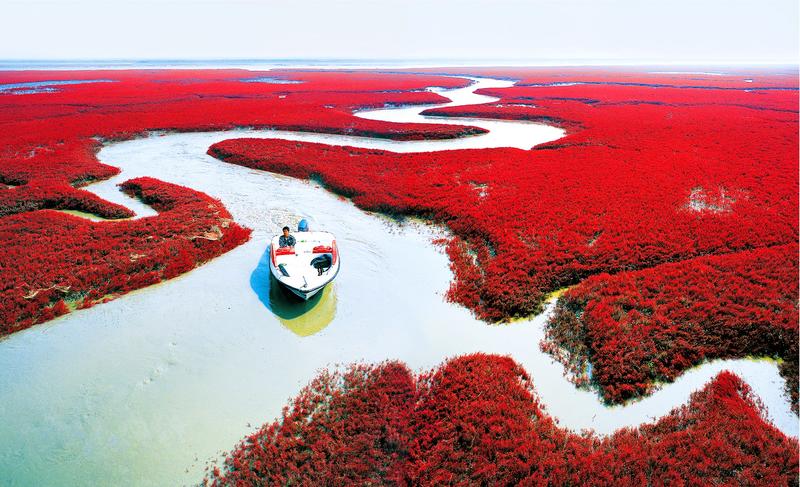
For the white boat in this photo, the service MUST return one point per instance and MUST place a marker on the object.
(309, 266)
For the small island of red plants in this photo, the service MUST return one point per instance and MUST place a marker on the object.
(636, 328)
(96, 262)
(475, 420)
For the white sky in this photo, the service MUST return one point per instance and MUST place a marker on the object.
(732, 31)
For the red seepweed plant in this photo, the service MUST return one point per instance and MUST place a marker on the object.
(636, 328)
(475, 420)
(98, 261)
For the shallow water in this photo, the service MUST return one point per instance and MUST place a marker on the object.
(33, 87)
(146, 389)
(271, 80)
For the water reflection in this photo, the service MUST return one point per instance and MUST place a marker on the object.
(303, 318)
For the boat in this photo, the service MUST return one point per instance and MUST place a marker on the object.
(309, 266)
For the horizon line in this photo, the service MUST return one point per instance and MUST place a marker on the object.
(398, 59)
(18, 64)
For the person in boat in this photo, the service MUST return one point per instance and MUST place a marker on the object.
(286, 240)
(302, 226)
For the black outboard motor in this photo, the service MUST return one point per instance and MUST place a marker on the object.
(322, 263)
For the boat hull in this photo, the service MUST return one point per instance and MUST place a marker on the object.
(303, 294)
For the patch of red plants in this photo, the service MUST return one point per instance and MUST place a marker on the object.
(639, 327)
(60, 261)
(48, 145)
(475, 420)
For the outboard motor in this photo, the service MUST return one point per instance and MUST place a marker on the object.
(322, 263)
(302, 226)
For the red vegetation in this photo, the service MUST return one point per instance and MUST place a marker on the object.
(476, 421)
(650, 325)
(69, 259)
(48, 143)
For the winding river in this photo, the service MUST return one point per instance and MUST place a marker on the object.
(148, 388)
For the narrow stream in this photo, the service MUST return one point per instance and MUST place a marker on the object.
(146, 389)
